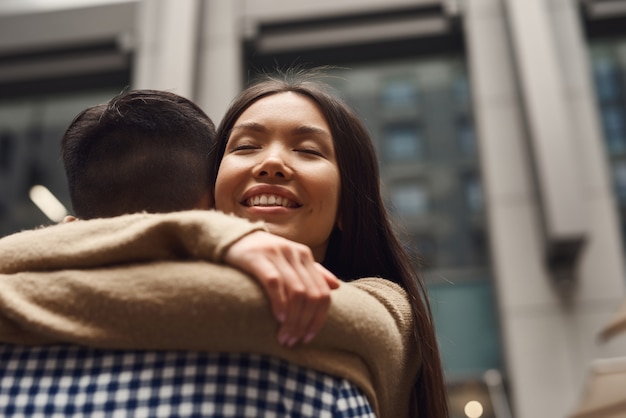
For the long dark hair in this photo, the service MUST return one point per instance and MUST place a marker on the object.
(366, 244)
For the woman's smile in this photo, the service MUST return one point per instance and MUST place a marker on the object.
(269, 200)
(270, 196)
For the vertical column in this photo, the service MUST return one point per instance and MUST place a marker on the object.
(549, 340)
(532, 328)
(220, 64)
(601, 285)
(167, 46)
(554, 155)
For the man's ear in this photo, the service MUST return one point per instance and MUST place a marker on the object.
(69, 218)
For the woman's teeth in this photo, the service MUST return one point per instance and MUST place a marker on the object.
(270, 200)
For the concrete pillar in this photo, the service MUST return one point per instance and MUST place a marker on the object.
(220, 65)
(548, 337)
(166, 46)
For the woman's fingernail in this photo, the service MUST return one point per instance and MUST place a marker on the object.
(283, 339)
(281, 317)
(292, 342)
(308, 337)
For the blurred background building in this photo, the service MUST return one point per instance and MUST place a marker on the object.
(500, 127)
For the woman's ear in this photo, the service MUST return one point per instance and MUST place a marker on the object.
(69, 218)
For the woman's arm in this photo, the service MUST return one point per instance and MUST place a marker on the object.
(298, 288)
(130, 238)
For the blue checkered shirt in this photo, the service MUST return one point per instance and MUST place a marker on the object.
(72, 381)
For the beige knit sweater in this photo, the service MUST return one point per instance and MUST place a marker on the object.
(141, 282)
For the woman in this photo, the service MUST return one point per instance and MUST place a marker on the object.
(296, 157)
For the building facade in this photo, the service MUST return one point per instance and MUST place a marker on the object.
(500, 127)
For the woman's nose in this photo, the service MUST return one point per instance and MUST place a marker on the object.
(273, 165)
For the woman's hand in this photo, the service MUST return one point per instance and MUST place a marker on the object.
(297, 286)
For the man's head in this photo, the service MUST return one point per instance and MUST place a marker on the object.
(145, 150)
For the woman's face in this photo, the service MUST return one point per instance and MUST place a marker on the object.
(279, 166)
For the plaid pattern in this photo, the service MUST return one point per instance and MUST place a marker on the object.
(71, 381)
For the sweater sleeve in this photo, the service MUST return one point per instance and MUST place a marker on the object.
(393, 298)
(125, 239)
(195, 305)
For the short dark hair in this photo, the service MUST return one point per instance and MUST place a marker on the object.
(145, 150)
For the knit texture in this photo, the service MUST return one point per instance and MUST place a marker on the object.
(147, 282)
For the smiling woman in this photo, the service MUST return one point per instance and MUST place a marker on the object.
(277, 169)
(289, 138)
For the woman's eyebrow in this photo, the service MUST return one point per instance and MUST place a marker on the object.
(310, 130)
(251, 126)
(299, 130)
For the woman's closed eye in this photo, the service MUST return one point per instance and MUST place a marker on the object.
(311, 151)
(243, 147)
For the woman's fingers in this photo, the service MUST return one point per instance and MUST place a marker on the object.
(332, 281)
(319, 302)
(297, 287)
(271, 280)
(308, 301)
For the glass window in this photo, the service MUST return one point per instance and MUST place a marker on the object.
(606, 75)
(619, 177)
(608, 62)
(461, 89)
(410, 199)
(467, 318)
(474, 193)
(466, 138)
(614, 124)
(398, 93)
(402, 142)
